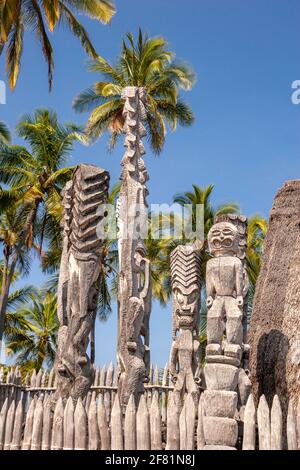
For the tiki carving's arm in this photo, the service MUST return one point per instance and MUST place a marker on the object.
(174, 361)
(196, 360)
(210, 288)
(239, 276)
(174, 324)
(135, 324)
(146, 287)
(246, 283)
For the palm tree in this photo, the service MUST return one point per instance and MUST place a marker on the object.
(16, 299)
(202, 197)
(37, 175)
(36, 178)
(257, 230)
(15, 254)
(16, 16)
(4, 133)
(31, 332)
(147, 64)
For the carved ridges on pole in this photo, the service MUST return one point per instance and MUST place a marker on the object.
(83, 197)
(134, 113)
(84, 200)
(134, 291)
(185, 267)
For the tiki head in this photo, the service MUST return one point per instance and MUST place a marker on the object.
(186, 286)
(223, 239)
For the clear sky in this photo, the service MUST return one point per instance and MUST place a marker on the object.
(246, 138)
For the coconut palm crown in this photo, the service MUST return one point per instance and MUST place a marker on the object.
(145, 63)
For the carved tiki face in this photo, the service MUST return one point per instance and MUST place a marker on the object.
(223, 239)
(186, 305)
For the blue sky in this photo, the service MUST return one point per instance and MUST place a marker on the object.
(246, 138)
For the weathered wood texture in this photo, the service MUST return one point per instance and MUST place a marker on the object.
(84, 199)
(28, 423)
(13, 386)
(134, 280)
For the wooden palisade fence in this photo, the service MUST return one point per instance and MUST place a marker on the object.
(28, 422)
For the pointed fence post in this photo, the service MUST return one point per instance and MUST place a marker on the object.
(47, 424)
(291, 428)
(93, 429)
(249, 429)
(173, 435)
(58, 426)
(263, 422)
(142, 425)
(51, 378)
(130, 425)
(3, 416)
(108, 392)
(9, 425)
(102, 378)
(187, 424)
(103, 426)
(164, 395)
(276, 425)
(37, 429)
(69, 428)
(150, 383)
(28, 426)
(17, 433)
(155, 423)
(116, 426)
(38, 381)
(200, 432)
(81, 427)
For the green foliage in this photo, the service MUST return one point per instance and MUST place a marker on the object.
(4, 133)
(145, 63)
(31, 332)
(18, 16)
(257, 230)
(36, 175)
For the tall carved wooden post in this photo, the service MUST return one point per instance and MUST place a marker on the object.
(80, 271)
(226, 289)
(134, 293)
(186, 289)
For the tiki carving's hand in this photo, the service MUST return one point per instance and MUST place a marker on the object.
(197, 380)
(131, 346)
(174, 378)
(209, 301)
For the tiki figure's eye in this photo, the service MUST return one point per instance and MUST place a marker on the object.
(193, 297)
(180, 297)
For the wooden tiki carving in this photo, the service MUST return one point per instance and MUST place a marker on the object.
(134, 293)
(186, 290)
(226, 290)
(84, 200)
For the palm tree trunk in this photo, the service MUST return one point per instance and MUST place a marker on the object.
(9, 271)
(28, 233)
